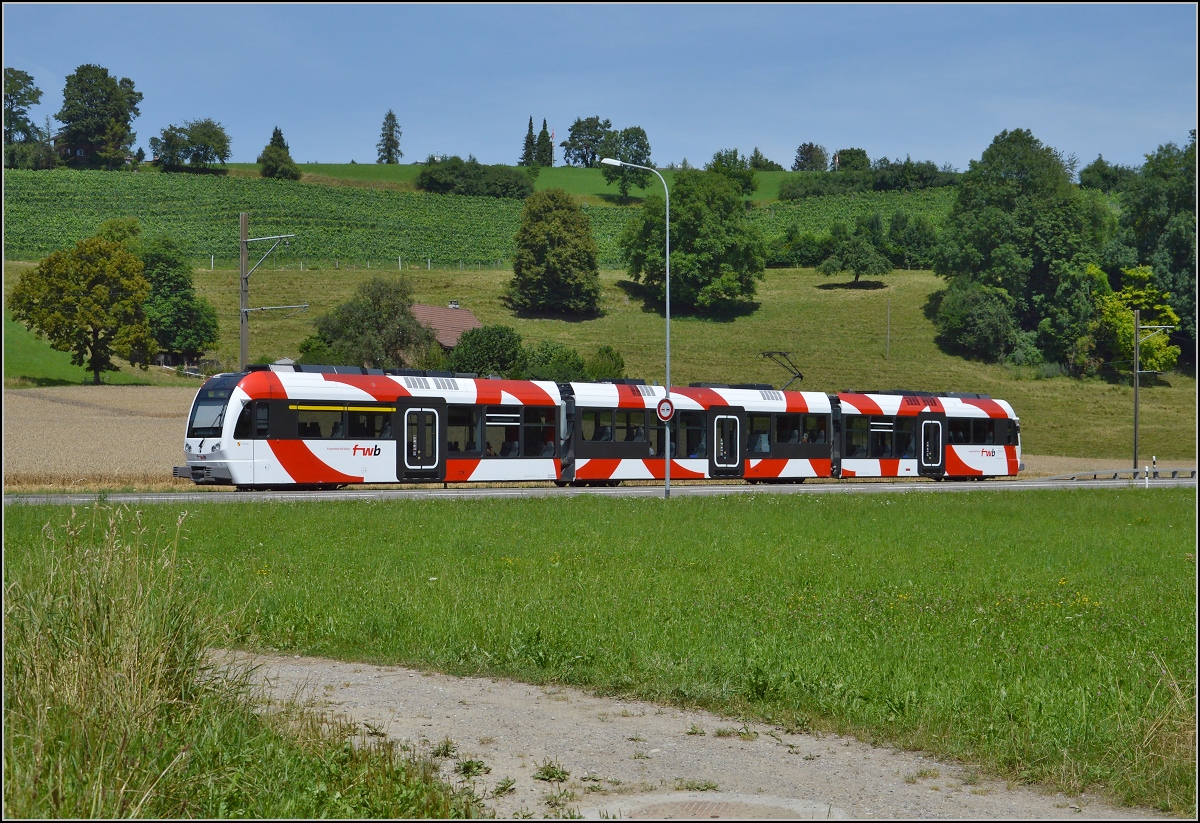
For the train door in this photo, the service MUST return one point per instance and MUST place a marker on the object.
(422, 429)
(932, 433)
(725, 427)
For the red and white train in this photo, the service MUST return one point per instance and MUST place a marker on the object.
(283, 426)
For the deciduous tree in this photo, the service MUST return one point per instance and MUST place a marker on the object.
(89, 301)
(489, 350)
(551, 360)
(554, 265)
(629, 145)
(859, 251)
(376, 327)
(717, 257)
(182, 322)
(811, 157)
(851, 160)
(582, 146)
(389, 140)
(736, 167)
(92, 100)
(19, 94)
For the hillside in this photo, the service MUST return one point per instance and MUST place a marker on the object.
(351, 224)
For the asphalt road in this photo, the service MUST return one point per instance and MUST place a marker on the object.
(677, 490)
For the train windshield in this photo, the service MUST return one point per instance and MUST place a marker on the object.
(208, 413)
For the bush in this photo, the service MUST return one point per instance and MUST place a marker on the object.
(554, 267)
(979, 320)
(277, 163)
(489, 350)
(549, 360)
(606, 363)
(453, 175)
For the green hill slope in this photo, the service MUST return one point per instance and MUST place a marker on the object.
(45, 211)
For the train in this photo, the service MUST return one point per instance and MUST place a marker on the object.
(283, 426)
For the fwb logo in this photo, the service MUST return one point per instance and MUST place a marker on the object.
(366, 451)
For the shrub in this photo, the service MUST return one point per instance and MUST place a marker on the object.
(979, 320)
(549, 360)
(606, 363)
(278, 163)
(489, 350)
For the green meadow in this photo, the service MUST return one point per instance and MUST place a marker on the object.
(1048, 636)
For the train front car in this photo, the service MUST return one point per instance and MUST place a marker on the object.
(910, 434)
(327, 426)
(214, 456)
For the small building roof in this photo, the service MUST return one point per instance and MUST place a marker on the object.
(447, 323)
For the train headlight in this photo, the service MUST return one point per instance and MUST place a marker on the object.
(187, 447)
(215, 447)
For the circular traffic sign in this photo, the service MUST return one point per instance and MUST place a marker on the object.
(666, 409)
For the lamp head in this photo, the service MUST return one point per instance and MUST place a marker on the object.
(608, 161)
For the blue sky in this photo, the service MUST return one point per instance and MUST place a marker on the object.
(933, 82)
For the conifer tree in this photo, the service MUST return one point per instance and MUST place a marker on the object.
(543, 153)
(527, 155)
(389, 140)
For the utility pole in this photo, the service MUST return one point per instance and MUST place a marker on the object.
(244, 272)
(1138, 328)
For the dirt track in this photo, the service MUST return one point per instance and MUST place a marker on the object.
(638, 760)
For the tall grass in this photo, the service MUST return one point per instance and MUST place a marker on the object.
(112, 707)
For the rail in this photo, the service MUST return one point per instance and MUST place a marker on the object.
(1130, 474)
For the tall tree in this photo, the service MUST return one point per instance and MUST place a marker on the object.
(376, 327)
(389, 140)
(554, 266)
(489, 350)
(760, 162)
(851, 160)
(89, 301)
(92, 100)
(716, 254)
(208, 143)
(276, 159)
(19, 94)
(182, 322)
(630, 146)
(858, 252)
(736, 167)
(543, 152)
(582, 146)
(529, 153)
(811, 157)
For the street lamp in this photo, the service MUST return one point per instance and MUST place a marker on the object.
(609, 161)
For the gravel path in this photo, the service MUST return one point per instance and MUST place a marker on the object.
(637, 760)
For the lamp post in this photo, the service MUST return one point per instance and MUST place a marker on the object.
(609, 161)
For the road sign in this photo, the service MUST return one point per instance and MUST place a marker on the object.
(666, 409)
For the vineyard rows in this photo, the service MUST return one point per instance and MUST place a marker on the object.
(46, 211)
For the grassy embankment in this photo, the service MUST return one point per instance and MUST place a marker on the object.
(112, 707)
(838, 337)
(1049, 637)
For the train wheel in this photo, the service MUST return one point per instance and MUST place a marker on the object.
(614, 483)
(561, 483)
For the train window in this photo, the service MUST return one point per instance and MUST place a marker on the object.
(462, 429)
(815, 428)
(208, 414)
(502, 431)
(369, 423)
(691, 434)
(241, 431)
(788, 428)
(1004, 432)
(857, 433)
(960, 431)
(880, 437)
(983, 432)
(596, 424)
(657, 438)
(906, 437)
(758, 434)
(262, 419)
(319, 422)
(539, 432)
(629, 426)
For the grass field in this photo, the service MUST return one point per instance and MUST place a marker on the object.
(113, 707)
(1049, 636)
